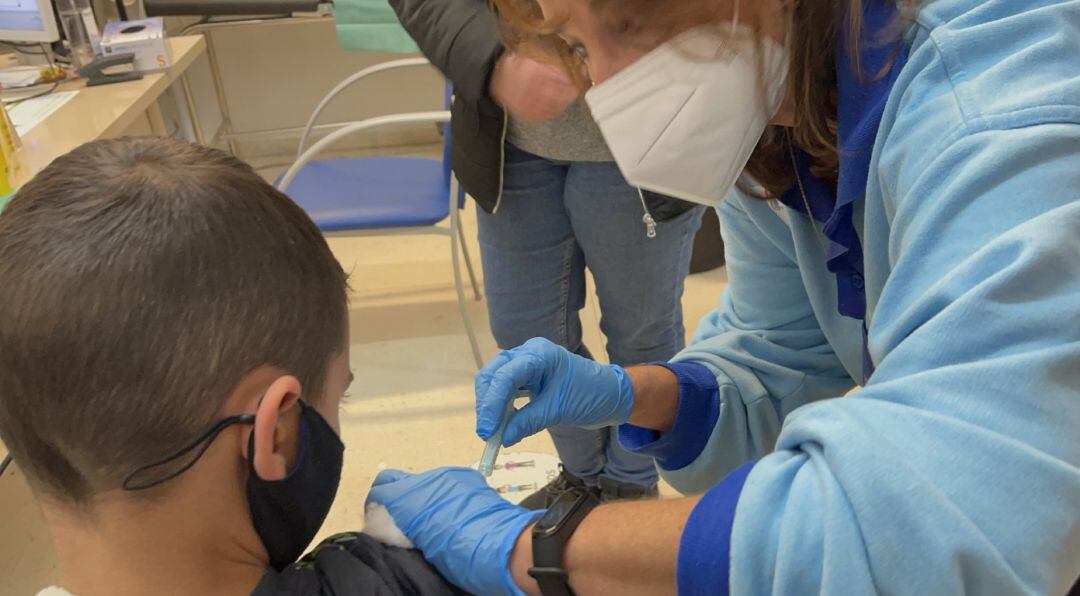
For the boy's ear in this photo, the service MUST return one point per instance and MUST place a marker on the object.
(277, 428)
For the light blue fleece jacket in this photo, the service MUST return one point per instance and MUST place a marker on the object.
(956, 468)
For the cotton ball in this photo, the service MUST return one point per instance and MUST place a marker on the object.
(380, 525)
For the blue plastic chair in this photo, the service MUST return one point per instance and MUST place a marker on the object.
(383, 196)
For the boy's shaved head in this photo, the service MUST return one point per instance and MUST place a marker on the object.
(140, 281)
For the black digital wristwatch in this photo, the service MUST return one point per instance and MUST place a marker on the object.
(550, 535)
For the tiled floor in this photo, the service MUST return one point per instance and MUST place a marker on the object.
(411, 406)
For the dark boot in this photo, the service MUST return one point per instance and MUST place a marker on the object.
(612, 490)
(543, 498)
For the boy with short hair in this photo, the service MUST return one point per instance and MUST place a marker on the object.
(173, 350)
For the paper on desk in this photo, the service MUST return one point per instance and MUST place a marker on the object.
(27, 114)
(12, 78)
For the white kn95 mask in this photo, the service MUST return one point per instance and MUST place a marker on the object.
(683, 119)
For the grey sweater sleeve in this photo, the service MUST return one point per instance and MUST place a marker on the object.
(460, 37)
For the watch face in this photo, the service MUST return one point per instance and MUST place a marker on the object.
(561, 510)
(558, 510)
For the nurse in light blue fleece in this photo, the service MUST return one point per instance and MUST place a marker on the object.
(922, 241)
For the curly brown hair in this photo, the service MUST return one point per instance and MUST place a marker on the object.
(811, 89)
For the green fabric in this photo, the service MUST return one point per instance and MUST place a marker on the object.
(370, 26)
(5, 198)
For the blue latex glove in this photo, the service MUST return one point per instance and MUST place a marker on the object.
(463, 527)
(566, 390)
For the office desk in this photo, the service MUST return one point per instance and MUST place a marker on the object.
(105, 111)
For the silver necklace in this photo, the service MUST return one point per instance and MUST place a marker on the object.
(802, 190)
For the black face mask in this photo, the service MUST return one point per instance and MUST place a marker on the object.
(286, 513)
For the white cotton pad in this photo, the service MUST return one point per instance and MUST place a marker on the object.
(379, 525)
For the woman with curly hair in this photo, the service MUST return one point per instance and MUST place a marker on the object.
(899, 189)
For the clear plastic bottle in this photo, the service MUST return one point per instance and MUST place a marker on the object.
(80, 27)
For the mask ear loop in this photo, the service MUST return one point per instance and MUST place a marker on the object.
(202, 443)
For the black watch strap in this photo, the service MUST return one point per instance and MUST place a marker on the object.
(550, 536)
(553, 581)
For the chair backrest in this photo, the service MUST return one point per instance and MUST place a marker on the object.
(305, 154)
(448, 94)
(448, 99)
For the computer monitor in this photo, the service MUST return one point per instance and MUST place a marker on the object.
(28, 21)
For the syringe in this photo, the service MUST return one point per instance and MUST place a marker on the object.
(494, 443)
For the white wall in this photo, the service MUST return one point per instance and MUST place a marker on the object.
(275, 73)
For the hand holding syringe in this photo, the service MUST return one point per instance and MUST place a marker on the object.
(491, 448)
(565, 389)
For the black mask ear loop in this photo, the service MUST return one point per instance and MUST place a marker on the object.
(202, 443)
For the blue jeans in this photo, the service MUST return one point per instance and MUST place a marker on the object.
(554, 219)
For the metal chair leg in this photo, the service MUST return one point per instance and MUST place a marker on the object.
(454, 239)
(468, 261)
